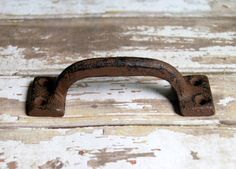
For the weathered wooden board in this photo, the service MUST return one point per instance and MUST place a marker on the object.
(118, 147)
(145, 130)
(117, 101)
(106, 8)
(48, 46)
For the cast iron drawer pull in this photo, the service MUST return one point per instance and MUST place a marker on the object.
(47, 94)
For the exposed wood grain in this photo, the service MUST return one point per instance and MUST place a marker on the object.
(80, 8)
(48, 46)
(117, 101)
(195, 36)
(119, 147)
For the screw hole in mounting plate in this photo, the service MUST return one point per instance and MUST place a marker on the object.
(201, 100)
(40, 101)
(196, 81)
(43, 82)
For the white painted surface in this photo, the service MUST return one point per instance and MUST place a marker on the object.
(178, 31)
(8, 118)
(14, 88)
(123, 89)
(159, 149)
(182, 59)
(226, 101)
(213, 148)
(13, 61)
(78, 7)
(117, 100)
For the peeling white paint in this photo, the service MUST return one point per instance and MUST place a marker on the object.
(14, 88)
(150, 32)
(198, 121)
(170, 56)
(123, 90)
(220, 51)
(120, 88)
(226, 101)
(180, 58)
(8, 118)
(170, 149)
(78, 7)
(13, 61)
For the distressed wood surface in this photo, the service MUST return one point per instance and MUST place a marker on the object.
(117, 122)
(118, 147)
(117, 101)
(106, 8)
(47, 46)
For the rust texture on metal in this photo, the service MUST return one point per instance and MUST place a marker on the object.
(47, 95)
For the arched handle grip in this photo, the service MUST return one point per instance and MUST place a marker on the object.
(47, 95)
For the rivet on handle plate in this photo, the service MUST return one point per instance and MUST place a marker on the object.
(47, 95)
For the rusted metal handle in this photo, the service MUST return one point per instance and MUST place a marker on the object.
(47, 95)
